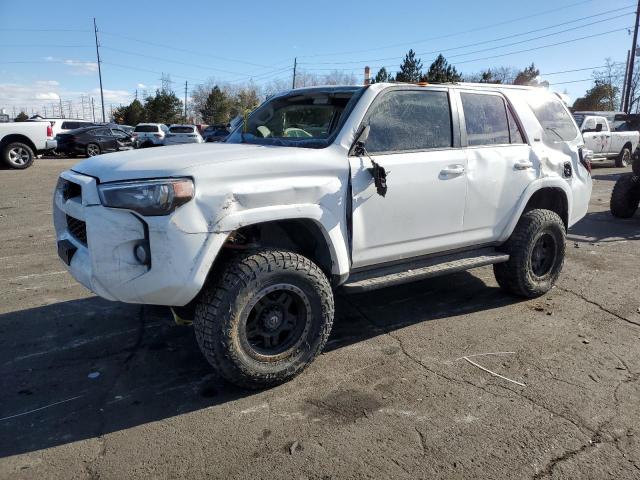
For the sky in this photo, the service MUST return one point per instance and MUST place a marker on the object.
(48, 53)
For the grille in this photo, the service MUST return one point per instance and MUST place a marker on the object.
(78, 229)
(70, 189)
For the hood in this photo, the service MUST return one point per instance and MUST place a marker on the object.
(170, 161)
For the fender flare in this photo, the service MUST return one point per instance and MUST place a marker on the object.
(537, 185)
(331, 227)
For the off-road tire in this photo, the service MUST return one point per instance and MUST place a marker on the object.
(624, 159)
(625, 196)
(226, 300)
(12, 151)
(517, 276)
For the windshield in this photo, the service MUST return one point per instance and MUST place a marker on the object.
(307, 118)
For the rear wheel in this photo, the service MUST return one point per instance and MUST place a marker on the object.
(17, 155)
(265, 318)
(624, 159)
(92, 149)
(536, 251)
(625, 196)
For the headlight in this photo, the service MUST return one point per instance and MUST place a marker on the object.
(149, 197)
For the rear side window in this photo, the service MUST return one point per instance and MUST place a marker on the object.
(70, 125)
(486, 119)
(181, 129)
(101, 132)
(410, 120)
(146, 129)
(554, 118)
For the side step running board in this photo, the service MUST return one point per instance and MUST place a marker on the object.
(421, 269)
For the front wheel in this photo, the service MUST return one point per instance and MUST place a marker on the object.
(625, 196)
(624, 159)
(265, 318)
(536, 251)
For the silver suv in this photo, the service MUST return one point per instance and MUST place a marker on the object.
(149, 134)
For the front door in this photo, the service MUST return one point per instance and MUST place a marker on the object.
(411, 137)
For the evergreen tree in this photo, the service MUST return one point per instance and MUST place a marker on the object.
(441, 71)
(527, 76)
(382, 76)
(131, 114)
(597, 98)
(164, 107)
(489, 77)
(21, 117)
(411, 68)
(217, 108)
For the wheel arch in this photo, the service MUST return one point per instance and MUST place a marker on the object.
(554, 195)
(16, 137)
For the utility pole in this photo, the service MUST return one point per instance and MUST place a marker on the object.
(61, 112)
(93, 110)
(628, 99)
(44, 107)
(295, 67)
(186, 86)
(95, 31)
(82, 102)
(623, 97)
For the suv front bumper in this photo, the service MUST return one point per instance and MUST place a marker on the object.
(97, 245)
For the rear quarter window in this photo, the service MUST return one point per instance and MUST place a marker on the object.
(558, 125)
(181, 129)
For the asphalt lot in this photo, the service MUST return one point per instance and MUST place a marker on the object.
(94, 389)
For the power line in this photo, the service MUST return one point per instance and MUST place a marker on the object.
(491, 41)
(464, 32)
(178, 49)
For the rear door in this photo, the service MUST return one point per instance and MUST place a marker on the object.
(413, 137)
(105, 139)
(500, 164)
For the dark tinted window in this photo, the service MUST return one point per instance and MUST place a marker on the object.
(119, 133)
(410, 120)
(556, 122)
(146, 129)
(102, 132)
(181, 129)
(486, 119)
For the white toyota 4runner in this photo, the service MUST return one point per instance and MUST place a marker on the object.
(350, 187)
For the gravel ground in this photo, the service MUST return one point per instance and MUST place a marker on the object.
(94, 389)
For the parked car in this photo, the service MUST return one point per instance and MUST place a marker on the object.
(62, 125)
(149, 134)
(393, 183)
(215, 133)
(605, 143)
(178, 134)
(20, 142)
(127, 128)
(94, 140)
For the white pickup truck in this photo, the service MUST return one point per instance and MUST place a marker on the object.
(20, 142)
(606, 143)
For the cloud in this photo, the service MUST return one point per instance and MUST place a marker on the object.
(141, 85)
(82, 68)
(114, 96)
(48, 83)
(47, 96)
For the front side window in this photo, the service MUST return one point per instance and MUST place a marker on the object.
(486, 119)
(409, 120)
(553, 117)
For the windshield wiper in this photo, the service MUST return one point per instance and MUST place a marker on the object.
(551, 129)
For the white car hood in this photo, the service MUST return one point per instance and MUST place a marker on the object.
(175, 160)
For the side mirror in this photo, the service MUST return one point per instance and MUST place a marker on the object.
(358, 146)
(598, 128)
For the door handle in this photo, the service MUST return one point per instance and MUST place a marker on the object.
(453, 170)
(523, 165)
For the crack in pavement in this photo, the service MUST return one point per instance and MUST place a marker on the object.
(601, 307)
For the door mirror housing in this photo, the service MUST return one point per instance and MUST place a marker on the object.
(361, 139)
